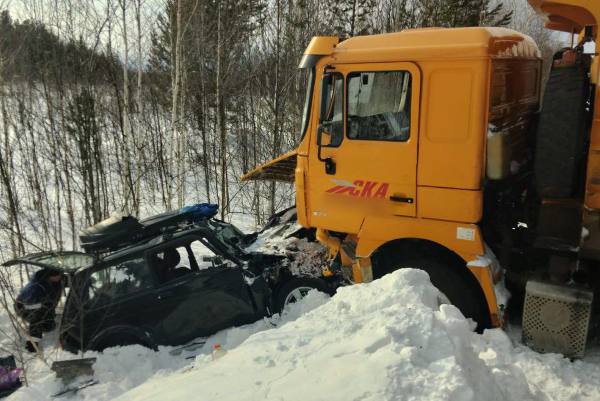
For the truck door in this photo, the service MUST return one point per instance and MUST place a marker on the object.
(363, 156)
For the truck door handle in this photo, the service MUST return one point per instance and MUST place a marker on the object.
(402, 199)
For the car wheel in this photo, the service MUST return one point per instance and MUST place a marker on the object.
(295, 289)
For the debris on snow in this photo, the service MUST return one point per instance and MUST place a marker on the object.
(305, 258)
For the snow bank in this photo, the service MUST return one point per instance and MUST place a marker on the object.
(117, 370)
(120, 369)
(386, 340)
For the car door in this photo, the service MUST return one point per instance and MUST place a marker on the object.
(367, 165)
(212, 296)
(120, 293)
(69, 263)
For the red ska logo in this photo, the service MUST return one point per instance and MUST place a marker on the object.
(360, 188)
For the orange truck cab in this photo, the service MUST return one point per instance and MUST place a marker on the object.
(424, 149)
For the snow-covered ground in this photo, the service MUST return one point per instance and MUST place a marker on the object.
(386, 340)
(120, 369)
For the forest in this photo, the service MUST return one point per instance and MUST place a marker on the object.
(142, 106)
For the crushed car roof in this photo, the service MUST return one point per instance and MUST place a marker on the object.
(72, 261)
(65, 261)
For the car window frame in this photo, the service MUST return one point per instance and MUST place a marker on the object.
(84, 275)
(213, 241)
(106, 265)
(185, 242)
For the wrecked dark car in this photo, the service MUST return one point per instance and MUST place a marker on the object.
(166, 281)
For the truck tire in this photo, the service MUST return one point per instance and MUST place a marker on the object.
(295, 289)
(456, 284)
(561, 140)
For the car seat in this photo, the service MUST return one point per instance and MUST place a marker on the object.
(171, 260)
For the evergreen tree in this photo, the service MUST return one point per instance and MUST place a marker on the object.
(461, 13)
(349, 18)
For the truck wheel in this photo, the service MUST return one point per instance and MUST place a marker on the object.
(457, 286)
(295, 289)
(561, 140)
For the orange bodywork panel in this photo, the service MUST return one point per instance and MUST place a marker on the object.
(463, 206)
(321, 45)
(568, 15)
(280, 169)
(483, 274)
(440, 167)
(464, 239)
(453, 123)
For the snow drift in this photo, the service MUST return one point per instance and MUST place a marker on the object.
(386, 340)
(120, 369)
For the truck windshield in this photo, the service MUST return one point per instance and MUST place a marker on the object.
(310, 83)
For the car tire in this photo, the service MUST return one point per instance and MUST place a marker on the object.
(295, 289)
(457, 285)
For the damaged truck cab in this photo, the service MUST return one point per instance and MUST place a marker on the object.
(393, 149)
(427, 149)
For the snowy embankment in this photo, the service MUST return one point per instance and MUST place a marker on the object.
(379, 341)
(386, 340)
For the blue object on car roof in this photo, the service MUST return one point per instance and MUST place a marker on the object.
(200, 210)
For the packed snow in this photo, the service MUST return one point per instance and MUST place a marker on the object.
(119, 369)
(385, 340)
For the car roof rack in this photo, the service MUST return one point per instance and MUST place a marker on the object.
(120, 231)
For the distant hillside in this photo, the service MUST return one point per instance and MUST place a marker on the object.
(29, 52)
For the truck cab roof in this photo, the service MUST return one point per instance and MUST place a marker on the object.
(430, 43)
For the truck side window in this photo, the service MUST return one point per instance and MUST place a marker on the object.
(333, 109)
(379, 105)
